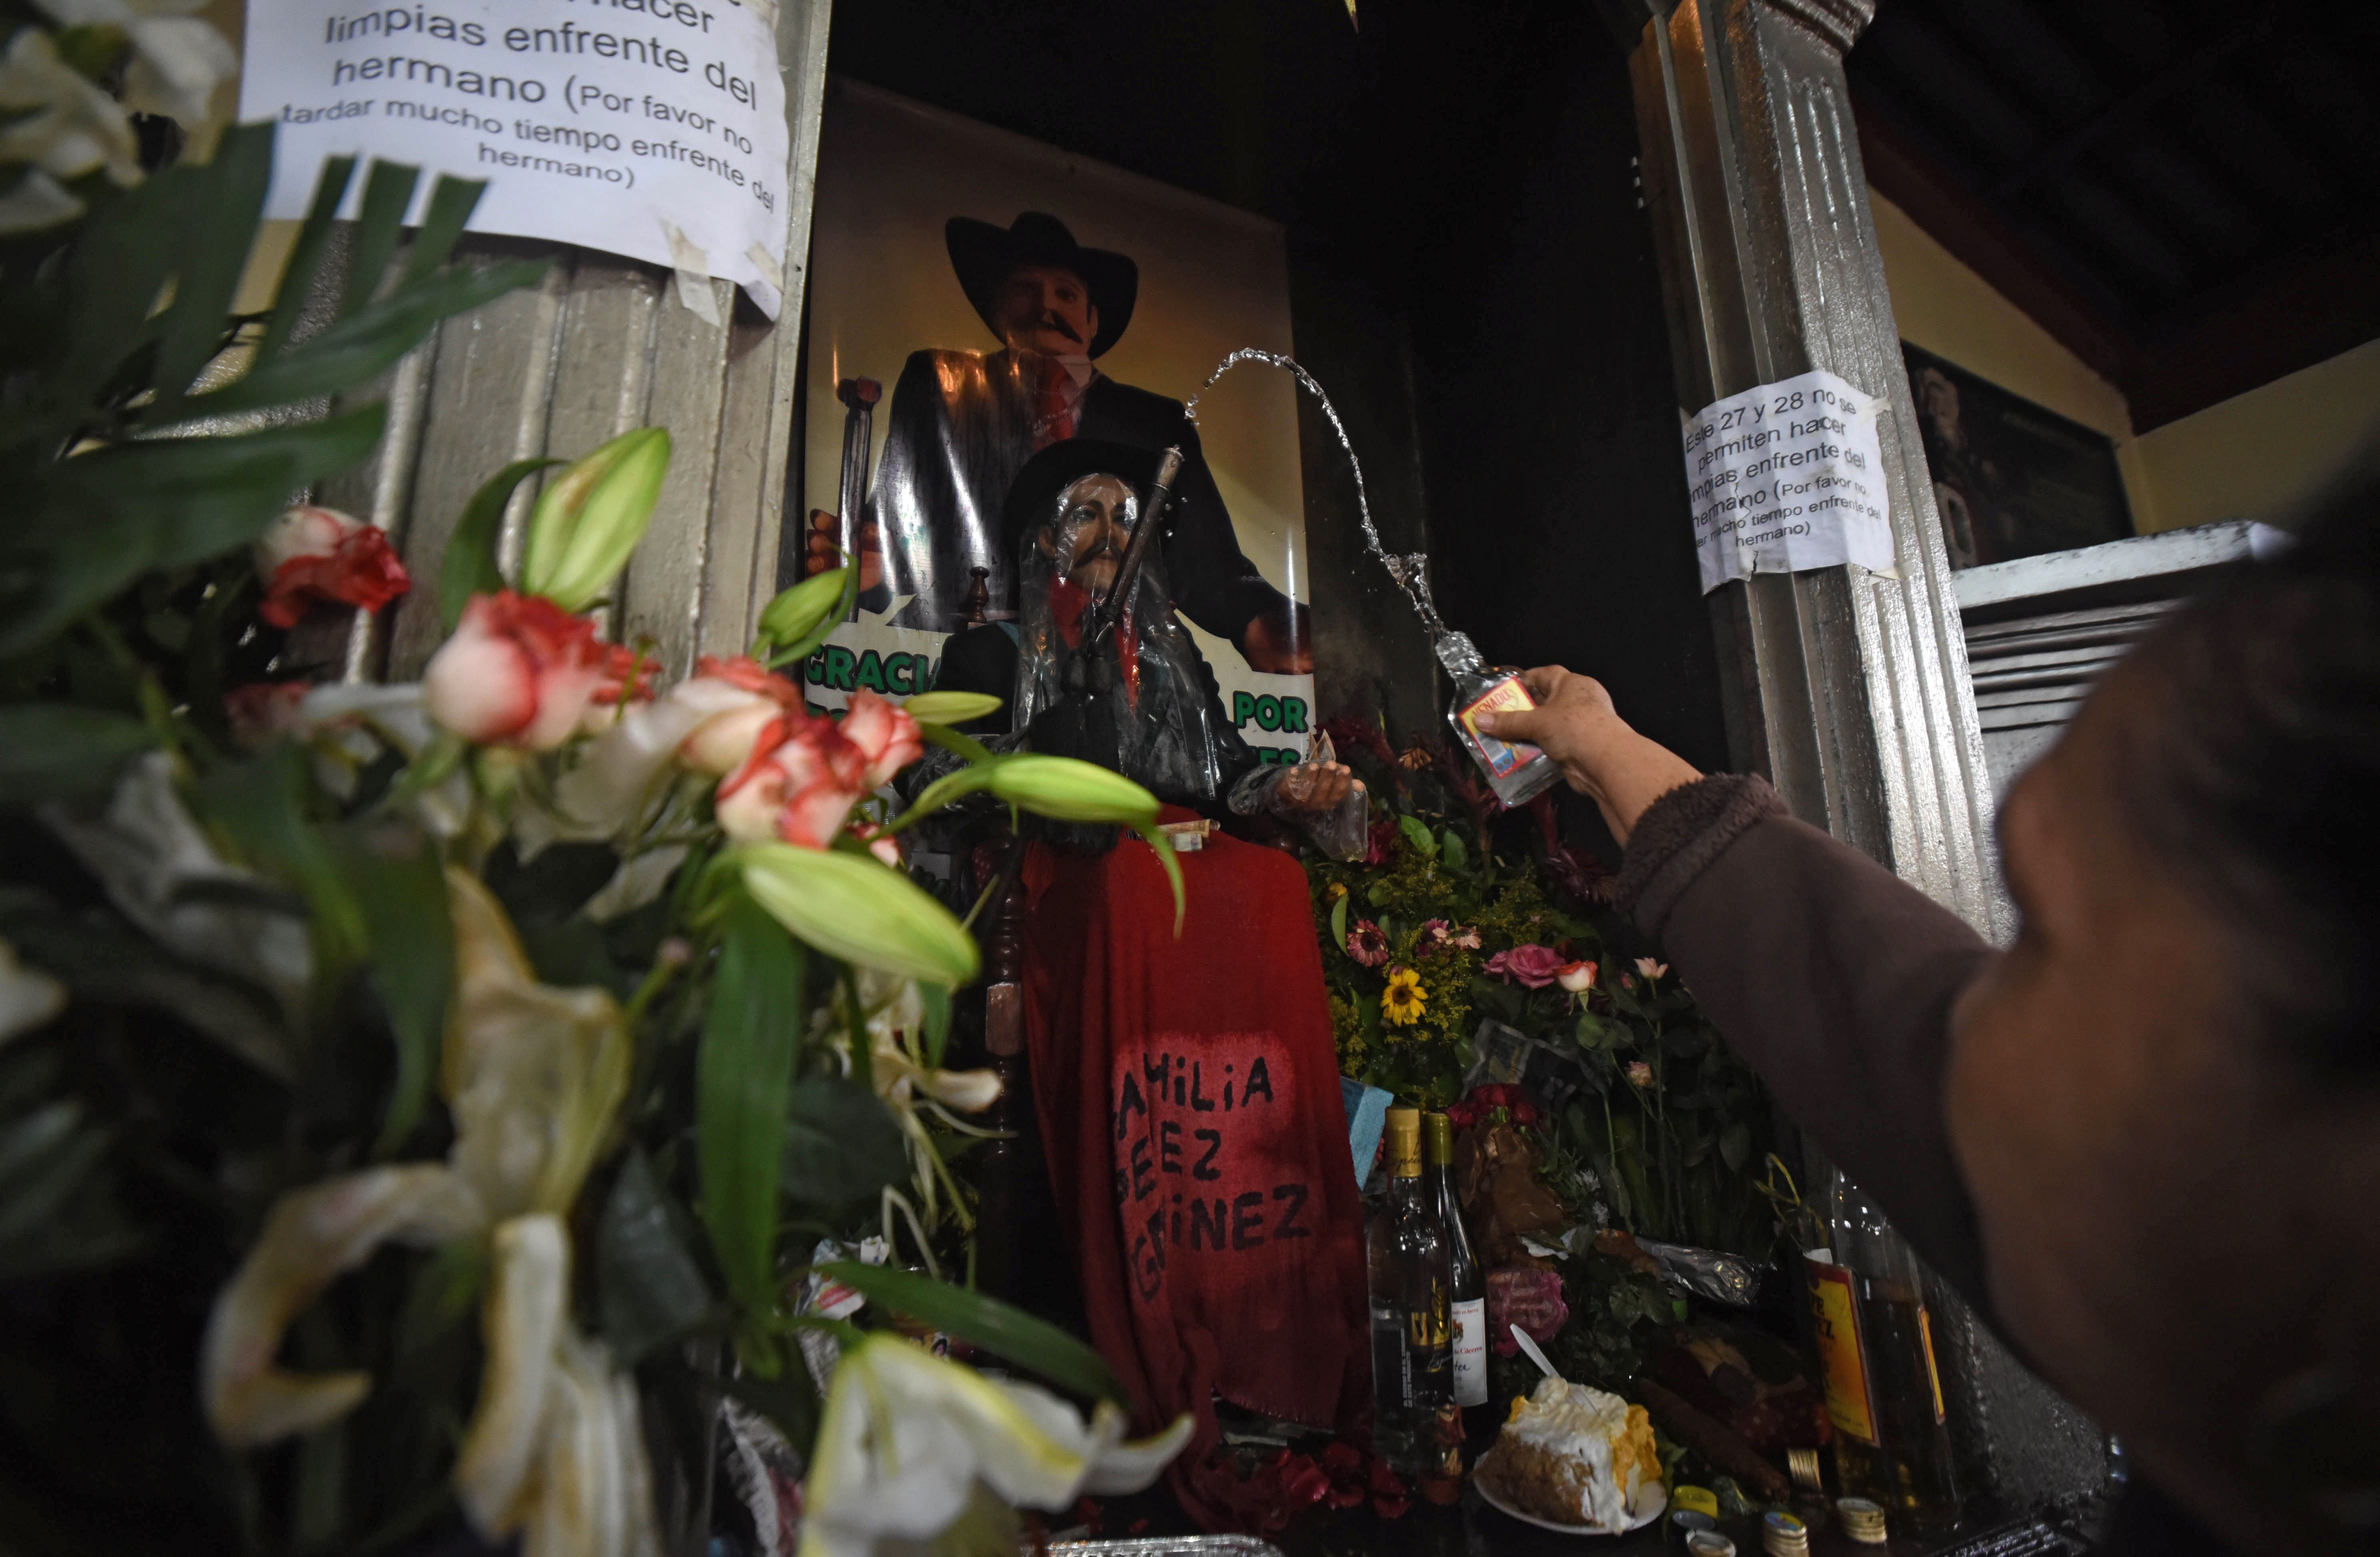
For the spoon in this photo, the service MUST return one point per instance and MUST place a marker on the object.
(1536, 1356)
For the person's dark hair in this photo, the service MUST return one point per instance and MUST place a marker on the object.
(2261, 779)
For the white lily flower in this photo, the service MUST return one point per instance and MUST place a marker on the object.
(178, 61)
(618, 772)
(35, 201)
(312, 1236)
(555, 1447)
(150, 855)
(896, 1021)
(76, 128)
(907, 1436)
(29, 997)
(533, 1073)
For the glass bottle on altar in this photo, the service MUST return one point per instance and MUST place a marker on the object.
(1516, 771)
(1876, 1343)
(1413, 1353)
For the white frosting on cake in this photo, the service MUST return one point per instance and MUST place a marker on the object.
(1583, 1425)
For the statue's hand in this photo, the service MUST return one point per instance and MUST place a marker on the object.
(1315, 787)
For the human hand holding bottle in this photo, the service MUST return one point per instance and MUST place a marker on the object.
(1600, 756)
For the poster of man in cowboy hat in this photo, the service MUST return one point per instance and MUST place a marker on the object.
(1013, 297)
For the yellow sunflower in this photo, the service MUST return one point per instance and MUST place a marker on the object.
(1402, 1002)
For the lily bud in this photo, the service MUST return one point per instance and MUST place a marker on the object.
(1068, 790)
(591, 517)
(951, 708)
(849, 906)
(802, 610)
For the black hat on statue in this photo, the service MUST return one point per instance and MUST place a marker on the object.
(984, 256)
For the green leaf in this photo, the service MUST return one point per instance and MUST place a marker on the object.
(56, 751)
(652, 1291)
(159, 503)
(1338, 921)
(1450, 851)
(260, 804)
(452, 201)
(1032, 1343)
(214, 253)
(1163, 847)
(306, 255)
(387, 192)
(397, 879)
(470, 565)
(841, 1143)
(1735, 1146)
(744, 1075)
(368, 341)
(1417, 835)
(937, 1002)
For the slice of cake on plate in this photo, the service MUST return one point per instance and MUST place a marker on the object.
(1576, 1455)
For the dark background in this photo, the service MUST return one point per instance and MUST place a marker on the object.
(1472, 277)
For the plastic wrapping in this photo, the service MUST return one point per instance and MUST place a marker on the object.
(1144, 702)
(1730, 1279)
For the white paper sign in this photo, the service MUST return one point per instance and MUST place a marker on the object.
(652, 129)
(1788, 477)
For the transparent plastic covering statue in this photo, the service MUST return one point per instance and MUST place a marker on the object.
(1143, 702)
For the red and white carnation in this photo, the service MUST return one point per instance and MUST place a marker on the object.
(519, 671)
(314, 553)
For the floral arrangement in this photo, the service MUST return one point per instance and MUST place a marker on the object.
(428, 1112)
(1659, 1127)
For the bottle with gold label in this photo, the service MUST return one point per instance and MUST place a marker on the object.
(1413, 1353)
(1876, 1346)
(1516, 771)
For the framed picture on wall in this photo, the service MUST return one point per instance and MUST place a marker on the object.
(2011, 479)
(1007, 296)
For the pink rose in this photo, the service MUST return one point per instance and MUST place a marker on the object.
(799, 784)
(1651, 970)
(751, 695)
(519, 671)
(1524, 1296)
(1640, 1074)
(884, 733)
(315, 553)
(1577, 977)
(1531, 965)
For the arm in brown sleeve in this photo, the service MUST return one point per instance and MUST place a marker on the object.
(1833, 978)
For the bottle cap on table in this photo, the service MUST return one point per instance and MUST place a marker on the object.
(1698, 1500)
(1688, 1521)
(1781, 1535)
(1863, 1520)
(1709, 1543)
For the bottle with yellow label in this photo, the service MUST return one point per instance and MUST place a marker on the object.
(1516, 771)
(1876, 1350)
(1413, 1343)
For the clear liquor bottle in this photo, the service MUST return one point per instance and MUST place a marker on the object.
(1466, 1287)
(1876, 1342)
(1516, 771)
(1413, 1357)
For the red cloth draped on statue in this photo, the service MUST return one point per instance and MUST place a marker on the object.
(1189, 1101)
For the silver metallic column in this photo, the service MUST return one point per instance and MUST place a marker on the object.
(1847, 688)
(605, 345)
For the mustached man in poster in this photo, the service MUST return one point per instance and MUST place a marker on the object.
(964, 422)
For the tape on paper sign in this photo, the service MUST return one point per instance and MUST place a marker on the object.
(1788, 477)
(599, 123)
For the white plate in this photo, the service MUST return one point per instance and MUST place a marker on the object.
(1659, 1502)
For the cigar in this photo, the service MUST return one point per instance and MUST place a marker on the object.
(1715, 1441)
